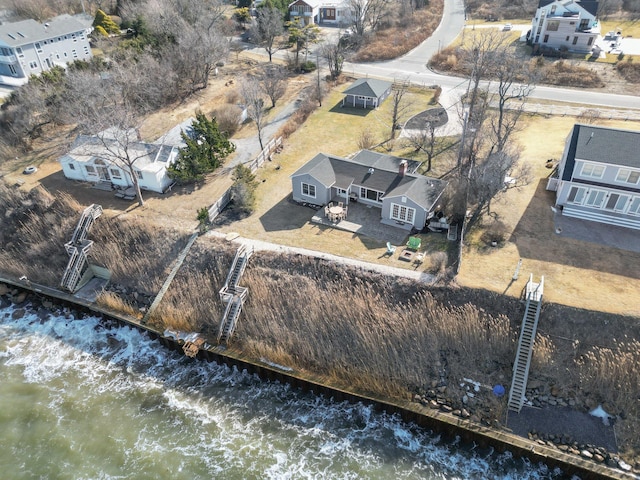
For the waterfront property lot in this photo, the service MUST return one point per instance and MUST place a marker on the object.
(577, 273)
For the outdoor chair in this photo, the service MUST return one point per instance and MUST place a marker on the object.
(341, 204)
(390, 249)
(414, 243)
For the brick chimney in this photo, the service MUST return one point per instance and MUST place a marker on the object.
(402, 169)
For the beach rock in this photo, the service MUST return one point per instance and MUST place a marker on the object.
(555, 391)
(563, 448)
(442, 389)
(434, 405)
(622, 465)
(3, 289)
(19, 298)
(465, 399)
(43, 314)
(18, 313)
(611, 462)
(417, 398)
(586, 454)
(541, 442)
(464, 413)
(446, 408)
(598, 458)
(457, 412)
(47, 304)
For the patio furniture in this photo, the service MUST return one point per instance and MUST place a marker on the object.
(390, 249)
(407, 255)
(341, 204)
(414, 243)
(335, 213)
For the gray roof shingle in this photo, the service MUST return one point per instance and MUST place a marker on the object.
(368, 87)
(342, 173)
(29, 31)
(606, 145)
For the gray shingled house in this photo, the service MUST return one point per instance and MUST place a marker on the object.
(405, 199)
(598, 178)
(366, 93)
(30, 48)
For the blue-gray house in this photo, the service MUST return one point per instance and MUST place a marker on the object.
(406, 199)
(598, 178)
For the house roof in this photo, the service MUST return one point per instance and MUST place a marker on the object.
(311, 3)
(150, 157)
(339, 172)
(590, 6)
(368, 87)
(29, 31)
(384, 162)
(174, 137)
(603, 145)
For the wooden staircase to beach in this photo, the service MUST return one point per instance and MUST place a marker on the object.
(78, 248)
(533, 297)
(233, 295)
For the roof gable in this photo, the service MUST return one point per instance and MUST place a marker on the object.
(602, 145)
(590, 6)
(368, 87)
(342, 173)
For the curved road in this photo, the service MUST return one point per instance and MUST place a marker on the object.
(413, 66)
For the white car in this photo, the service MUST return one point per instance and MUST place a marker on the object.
(507, 27)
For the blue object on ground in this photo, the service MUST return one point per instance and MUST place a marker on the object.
(498, 390)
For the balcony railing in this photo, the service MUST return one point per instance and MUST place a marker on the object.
(8, 58)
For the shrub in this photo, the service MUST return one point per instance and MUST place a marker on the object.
(103, 20)
(630, 71)
(101, 31)
(436, 95)
(307, 66)
(366, 140)
(243, 190)
(228, 117)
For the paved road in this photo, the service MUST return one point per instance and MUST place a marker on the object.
(413, 65)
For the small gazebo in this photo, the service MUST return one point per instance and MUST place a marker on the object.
(366, 93)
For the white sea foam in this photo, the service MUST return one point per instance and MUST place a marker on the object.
(135, 409)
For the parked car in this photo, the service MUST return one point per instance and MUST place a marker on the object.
(507, 27)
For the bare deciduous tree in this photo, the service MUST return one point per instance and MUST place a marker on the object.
(267, 29)
(366, 14)
(254, 101)
(333, 53)
(104, 108)
(273, 80)
(425, 140)
(399, 105)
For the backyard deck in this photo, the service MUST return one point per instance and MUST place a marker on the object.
(364, 220)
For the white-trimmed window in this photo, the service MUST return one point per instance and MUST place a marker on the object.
(91, 170)
(616, 202)
(595, 198)
(139, 174)
(309, 190)
(19, 52)
(576, 195)
(38, 47)
(72, 166)
(115, 173)
(628, 176)
(591, 170)
(402, 213)
(374, 195)
(634, 208)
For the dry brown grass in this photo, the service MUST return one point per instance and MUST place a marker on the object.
(396, 40)
(577, 273)
(112, 301)
(552, 72)
(377, 335)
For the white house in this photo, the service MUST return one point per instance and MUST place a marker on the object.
(322, 12)
(29, 48)
(565, 24)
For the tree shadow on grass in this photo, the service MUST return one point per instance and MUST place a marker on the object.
(535, 238)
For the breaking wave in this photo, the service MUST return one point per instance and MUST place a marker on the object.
(82, 399)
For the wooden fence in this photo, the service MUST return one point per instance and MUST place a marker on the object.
(265, 154)
(273, 145)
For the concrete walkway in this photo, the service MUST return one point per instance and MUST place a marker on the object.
(358, 264)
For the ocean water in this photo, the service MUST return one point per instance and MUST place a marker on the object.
(83, 400)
